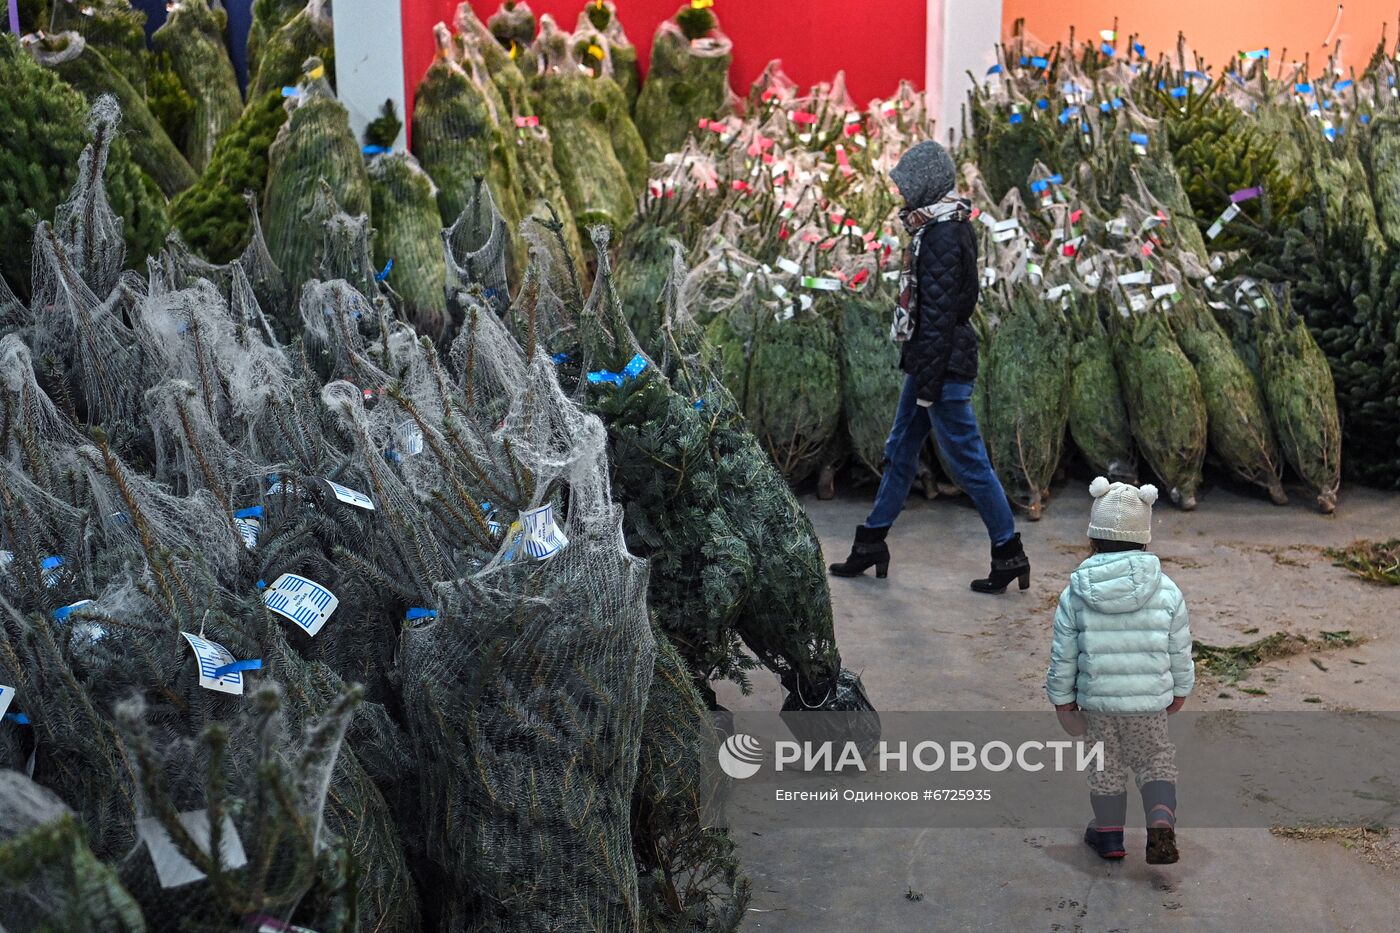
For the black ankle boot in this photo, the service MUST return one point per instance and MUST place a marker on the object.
(1009, 562)
(1108, 843)
(868, 551)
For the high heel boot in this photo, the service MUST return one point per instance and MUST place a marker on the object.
(869, 551)
(1009, 562)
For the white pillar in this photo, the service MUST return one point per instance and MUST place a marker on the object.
(369, 60)
(962, 35)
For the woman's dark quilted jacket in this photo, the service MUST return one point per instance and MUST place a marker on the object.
(944, 345)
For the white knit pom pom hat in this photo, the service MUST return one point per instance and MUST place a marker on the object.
(1121, 512)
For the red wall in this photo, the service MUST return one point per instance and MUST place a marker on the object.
(878, 42)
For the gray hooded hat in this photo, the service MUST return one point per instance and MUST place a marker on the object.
(925, 174)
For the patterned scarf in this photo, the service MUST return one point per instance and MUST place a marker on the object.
(951, 208)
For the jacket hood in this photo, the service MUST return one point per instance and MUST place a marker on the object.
(1118, 582)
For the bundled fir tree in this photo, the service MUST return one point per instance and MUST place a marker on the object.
(193, 37)
(87, 69)
(598, 153)
(688, 79)
(315, 146)
(1027, 375)
(460, 134)
(600, 16)
(212, 216)
(408, 240)
(310, 33)
(113, 28)
(47, 121)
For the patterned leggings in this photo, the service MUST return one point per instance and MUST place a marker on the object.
(1136, 743)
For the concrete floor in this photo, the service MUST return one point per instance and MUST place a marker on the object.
(922, 641)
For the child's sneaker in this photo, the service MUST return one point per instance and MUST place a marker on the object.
(1108, 841)
(1161, 846)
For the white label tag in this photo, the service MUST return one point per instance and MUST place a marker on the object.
(1163, 291)
(543, 536)
(211, 656)
(1004, 235)
(788, 266)
(408, 440)
(1010, 224)
(1034, 269)
(1118, 226)
(303, 601)
(1135, 278)
(1093, 279)
(987, 220)
(820, 284)
(1056, 292)
(351, 496)
(779, 290)
(806, 301)
(989, 276)
(1137, 302)
(172, 868)
(784, 315)
(7, 695)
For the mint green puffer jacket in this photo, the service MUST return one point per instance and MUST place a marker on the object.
(1122, 638)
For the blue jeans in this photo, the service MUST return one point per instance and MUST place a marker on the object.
(955, 431)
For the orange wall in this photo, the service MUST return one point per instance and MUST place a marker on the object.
(1217, 29)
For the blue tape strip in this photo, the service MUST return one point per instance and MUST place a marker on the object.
(1108, 50)
(1040, 62)
(291, 92)
(994, 70)
(1179, 92)
(413, 615)
(388, 267)
(238, 667)
(18, 718)
(49, 563)
(1303, 88)
(376, 150)
(255, 511)
(1343, 85)
(1137, 47)
(1017, 118)
(560, 358)
(1138, 138)
(1042, 104)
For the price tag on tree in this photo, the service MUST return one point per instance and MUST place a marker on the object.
(351, 496)
(213, 659)
(303, 601)
(172, 868)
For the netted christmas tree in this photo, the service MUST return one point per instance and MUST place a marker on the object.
(338, 633)
(460, 134)
(688, 79)
(48, 131)
(213, 216)
(408, 240)
(112, 27)
(315, 146)
(600, 17)
(310, 33)
(598, 153)
(87, 69)
(193, 36)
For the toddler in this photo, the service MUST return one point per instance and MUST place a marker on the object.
(1122, 654)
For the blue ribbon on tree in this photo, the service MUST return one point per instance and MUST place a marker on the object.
(1138, 139)
(388, 267)
(376, 150)
(18, 718)
(632, 370)
(237, 667)
(1017, 118)
(1108, 50)
(418, 615)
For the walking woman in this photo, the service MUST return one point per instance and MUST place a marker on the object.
(938, 353)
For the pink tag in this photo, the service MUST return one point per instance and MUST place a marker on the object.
(802, 116)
